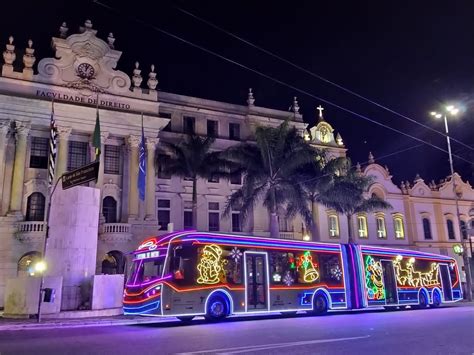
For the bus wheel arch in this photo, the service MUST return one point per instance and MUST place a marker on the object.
(423, 298)
(321, 301)
(436, 297)
(219, 305)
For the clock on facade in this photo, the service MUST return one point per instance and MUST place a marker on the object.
(85, 71)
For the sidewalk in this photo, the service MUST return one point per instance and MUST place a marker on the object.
(30, 324)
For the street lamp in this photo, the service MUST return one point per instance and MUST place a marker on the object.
(452, 110)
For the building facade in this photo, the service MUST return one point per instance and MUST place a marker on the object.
(82, 80)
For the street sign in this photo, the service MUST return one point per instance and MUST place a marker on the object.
(80, 176)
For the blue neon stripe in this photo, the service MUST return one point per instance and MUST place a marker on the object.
(142, 309)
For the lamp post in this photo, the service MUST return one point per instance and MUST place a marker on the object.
(467, 267)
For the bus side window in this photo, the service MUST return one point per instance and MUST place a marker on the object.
(181, 265)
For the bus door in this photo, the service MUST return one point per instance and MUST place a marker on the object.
(446, 282)
(390, 282)
(256, 266)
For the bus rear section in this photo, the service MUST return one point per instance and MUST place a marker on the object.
(398, 278)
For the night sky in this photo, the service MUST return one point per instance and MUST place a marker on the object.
(412, 58)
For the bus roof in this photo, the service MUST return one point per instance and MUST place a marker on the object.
(161, 242)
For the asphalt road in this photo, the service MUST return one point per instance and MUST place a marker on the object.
(448, 330)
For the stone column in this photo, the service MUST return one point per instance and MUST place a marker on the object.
(150, 208)
(22, 131)
(4, 128)
(133, 142)
(62, 152)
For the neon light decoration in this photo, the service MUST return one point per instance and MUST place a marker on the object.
(211, 266)
(276, 277)
(305, 262)
(373, 279)
(336, 272)
(408, 276)
(235, 254)
(287, 279)
(150, 244)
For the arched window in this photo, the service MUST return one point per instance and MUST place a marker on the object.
(362, 226)
(35, 206)
(333, 224)
(399, 227)
(427, 228)
(109, 209)
(113, 263)
(450, 226)
(27, 262)
(381, 229)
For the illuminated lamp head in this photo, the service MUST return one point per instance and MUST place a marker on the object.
(398, 258)
(411, 260)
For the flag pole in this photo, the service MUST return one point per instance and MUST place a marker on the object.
(51, 170)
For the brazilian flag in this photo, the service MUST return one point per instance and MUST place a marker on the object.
(96, 137)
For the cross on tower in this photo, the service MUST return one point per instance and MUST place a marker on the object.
(320, 109)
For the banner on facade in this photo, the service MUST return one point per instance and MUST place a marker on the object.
(80, 176)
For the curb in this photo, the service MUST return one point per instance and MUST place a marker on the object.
(98, 323)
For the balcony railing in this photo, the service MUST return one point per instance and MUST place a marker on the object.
(30, 230)
(31, 226)
(116, 232)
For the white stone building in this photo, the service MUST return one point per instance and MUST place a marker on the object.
(82, 72)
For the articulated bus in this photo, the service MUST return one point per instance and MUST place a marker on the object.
(187, 274)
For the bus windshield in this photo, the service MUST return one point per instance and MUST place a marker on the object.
(146, 270)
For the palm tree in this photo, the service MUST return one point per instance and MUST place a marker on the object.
(311, 174)
(273, 171)
(344, 189)
(192, 159)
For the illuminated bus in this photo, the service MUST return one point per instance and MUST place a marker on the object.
(188, 274)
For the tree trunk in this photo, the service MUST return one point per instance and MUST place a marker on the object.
(194, 208)
(314, 225)
(349, 229)
(274, 226)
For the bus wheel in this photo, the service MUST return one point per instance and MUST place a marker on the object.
(186, 318)
(422, 301)
(436, 299)
(320, 304)
(216, 309)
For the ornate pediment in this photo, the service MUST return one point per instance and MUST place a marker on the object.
(84, 62)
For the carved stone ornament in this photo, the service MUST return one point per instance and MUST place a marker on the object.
(29, 57)
(151, 143)
(97, 58)
(133, 141)
(152, 81)
(9, 55)
(64, 132)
